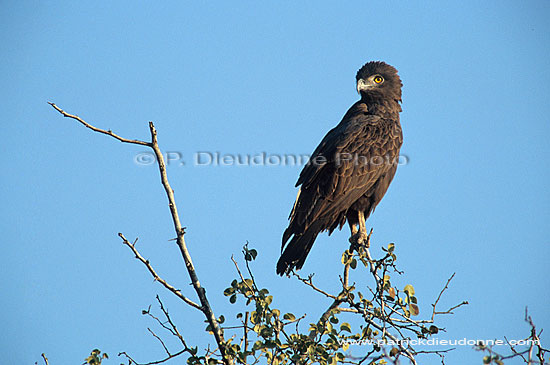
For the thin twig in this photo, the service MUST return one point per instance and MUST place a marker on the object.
(174, 329)
(160, 340)
(245, 336)
(169, 357)
(147, 264)
(99, 130)
(309, 282)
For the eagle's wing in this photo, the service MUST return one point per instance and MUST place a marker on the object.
(344, 175)
(340, 172)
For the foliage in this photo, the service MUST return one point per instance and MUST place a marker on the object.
(95, 358)
(385, 314)
(381, 317)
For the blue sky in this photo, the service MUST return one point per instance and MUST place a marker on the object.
(247, 78)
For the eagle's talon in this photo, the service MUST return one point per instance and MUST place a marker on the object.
(360, 239)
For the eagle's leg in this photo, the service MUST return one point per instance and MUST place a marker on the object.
(353, 228)
(363, 235)
(359, 235)
(353, 238)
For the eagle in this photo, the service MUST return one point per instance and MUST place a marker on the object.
(349, 172)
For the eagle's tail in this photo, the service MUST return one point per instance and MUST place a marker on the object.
(296, 251)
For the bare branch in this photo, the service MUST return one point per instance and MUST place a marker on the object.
(99, 130)
(132, 361)
(174, 329)
(146, 262)
(180, 231)
(205, 305)
(309, 282)
(450, 310)
(160, 340)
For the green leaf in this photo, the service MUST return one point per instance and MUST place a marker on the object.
(391, 247)
(289, 317)
(233, 299)
(248, 282)
(353, 264)
(345, 327)
(345, 257)
(221, 319)
(409, 289)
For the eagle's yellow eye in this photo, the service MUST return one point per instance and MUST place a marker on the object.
(378, 79)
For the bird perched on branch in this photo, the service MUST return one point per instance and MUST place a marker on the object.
(351, 169)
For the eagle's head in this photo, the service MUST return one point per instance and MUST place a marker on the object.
(378, 80)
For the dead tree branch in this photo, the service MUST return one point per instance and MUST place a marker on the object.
(180, 232)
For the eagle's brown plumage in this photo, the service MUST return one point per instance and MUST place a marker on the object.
(351, 169)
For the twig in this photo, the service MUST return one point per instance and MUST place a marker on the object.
(342, 297)
(439, 297)
(160, 340)
(45, 359)
(254, 289)
(99, 130)
(309, 282)
(245, 336)
(442, 290)
(174, 329)
(132, 361)
(146, 262)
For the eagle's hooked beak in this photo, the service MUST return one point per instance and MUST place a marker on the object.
(362, 85)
